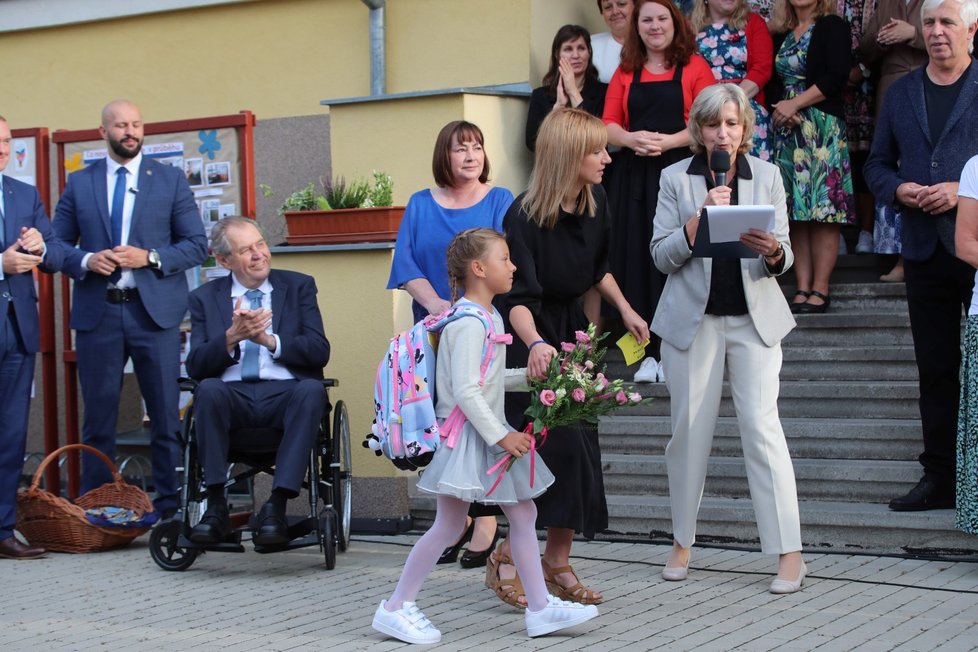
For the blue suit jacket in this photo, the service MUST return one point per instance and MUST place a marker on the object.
(903, 151)
(164, 217)
(23, 208)
(295, 319)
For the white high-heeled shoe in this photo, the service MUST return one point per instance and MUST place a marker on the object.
(676, 573)
(780, 586)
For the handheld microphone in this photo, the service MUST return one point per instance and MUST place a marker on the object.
(720, 165)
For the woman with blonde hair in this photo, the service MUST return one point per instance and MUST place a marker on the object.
(559, 235)
(810, 146)
(725, 314)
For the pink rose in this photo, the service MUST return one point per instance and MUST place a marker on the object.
(547, 397)
(621, 398)
(567, 347)
(581, 337)
(635, 397)
(578, 395)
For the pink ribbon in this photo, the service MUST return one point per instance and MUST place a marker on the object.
(506, 462)
(451, 427)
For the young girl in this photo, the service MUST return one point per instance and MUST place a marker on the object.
(478, 261)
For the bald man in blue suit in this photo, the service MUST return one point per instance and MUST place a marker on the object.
(137, 230)
(24, 231)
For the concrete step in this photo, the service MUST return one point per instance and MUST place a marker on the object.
(846, 480)
(825, 525)
(882, 363)
(854, 439)
(811, 399)
(851, 329)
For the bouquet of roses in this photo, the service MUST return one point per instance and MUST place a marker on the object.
(574, 389)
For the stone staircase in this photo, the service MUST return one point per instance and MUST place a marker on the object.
(848, 404)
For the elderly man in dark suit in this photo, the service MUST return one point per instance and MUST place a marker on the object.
(137, 230)
(24, 228)
(258, 348)
(925, 134)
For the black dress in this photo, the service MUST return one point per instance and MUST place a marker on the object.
(542, 103)
(554, 267)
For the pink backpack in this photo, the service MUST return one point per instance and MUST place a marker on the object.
(405, 429)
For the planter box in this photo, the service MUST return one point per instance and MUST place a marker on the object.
(343, 226)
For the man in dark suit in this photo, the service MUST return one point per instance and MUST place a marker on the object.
(258, 348)
(24, 228)
(925, 134)
(138, 231)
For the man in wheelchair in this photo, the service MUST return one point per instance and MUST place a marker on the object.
(257, 348)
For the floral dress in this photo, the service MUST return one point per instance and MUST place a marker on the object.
(725, 49)
(814, 156)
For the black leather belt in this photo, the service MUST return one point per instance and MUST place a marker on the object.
(121, 295)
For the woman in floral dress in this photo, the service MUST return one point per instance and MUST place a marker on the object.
(737, 45)
(811, 72)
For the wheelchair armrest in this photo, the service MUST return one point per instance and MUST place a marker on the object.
(331, 382)
(187, 384)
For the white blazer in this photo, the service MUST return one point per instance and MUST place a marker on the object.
(683, 302)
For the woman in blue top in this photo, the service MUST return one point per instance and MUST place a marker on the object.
(460, 200)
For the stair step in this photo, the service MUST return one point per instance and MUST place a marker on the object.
(825, 525)
(813, 399)
(868, 439)
(816, 479)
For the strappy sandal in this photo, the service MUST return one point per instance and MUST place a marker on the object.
(796, 305)
(508, 590)
(577, 593)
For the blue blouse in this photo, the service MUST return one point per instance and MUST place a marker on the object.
(427, 229)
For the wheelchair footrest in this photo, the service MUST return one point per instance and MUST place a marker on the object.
(232, 544)
(302, 533)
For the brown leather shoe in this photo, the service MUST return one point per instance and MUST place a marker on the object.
(12, 548)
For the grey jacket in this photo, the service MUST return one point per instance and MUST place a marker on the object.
(683, 302)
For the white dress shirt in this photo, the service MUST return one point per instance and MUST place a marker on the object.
(268, 367)
(132, 189)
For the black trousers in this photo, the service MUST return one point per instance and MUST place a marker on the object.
(295, 406)
(938, 294)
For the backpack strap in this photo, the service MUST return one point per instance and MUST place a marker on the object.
(451, 427)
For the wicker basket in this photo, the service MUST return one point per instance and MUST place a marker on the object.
(52, 522)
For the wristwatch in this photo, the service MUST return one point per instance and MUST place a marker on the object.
(154, 259)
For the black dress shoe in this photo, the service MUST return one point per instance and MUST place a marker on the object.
(926, 495)
(451, 553)
(272, 527)
(814, 308)
(214, 527)
(12, 548)
(477, 558)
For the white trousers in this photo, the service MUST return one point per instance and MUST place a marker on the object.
(695, 379)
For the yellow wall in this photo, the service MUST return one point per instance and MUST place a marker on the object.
(275, 57)
(372, 135)
(360, 317)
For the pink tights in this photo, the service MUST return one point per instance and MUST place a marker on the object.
(448, 527)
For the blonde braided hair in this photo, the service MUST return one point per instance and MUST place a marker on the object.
(466, 246)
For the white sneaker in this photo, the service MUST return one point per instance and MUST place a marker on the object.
(865, 243)
(407, 624)
(648, 371)
(558, 614)
(660, 374)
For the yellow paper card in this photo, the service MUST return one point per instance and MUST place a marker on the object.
(632, 349)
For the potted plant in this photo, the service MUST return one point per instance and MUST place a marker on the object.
(344, 212)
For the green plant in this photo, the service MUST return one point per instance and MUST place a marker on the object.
(338, 193)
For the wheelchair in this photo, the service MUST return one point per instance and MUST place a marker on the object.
(329, 478)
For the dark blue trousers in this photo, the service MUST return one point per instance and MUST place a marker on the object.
(16, 376)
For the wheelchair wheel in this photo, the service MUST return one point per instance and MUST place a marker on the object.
(327, 537)
(342, 474)
(164, 549)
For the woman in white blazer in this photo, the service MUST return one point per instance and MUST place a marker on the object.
(718, 313)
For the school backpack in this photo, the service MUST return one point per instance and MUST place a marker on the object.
(405, 429)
